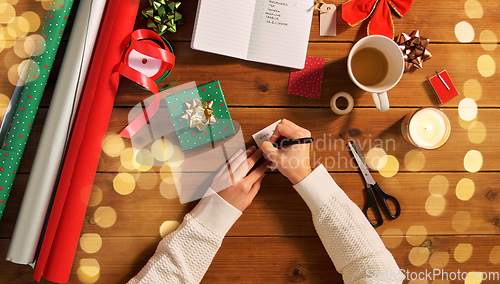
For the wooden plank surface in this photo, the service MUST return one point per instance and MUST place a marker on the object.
(274, 241)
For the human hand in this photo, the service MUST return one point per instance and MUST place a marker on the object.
(292, 161)
(234, 184)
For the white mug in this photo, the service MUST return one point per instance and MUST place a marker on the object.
(394, 65)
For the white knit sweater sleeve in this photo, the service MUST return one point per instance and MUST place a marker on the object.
(184, 255)
(354, 246)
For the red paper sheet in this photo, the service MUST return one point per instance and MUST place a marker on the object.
(307, 82)
(84, 150)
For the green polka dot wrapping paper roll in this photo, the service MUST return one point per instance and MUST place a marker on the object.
(190, 138)
(23, 116)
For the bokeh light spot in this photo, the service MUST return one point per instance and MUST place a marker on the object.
(439, 259)
(473, 9)
(476, 132)
(391, 168)
(463, 252)
(465, 189)
(461, 221)
(474, 277)
(105, 216)
(33, 20)
(90, 242)
(464, 32)
(488, 40)
(162, 149)
(168, 227)
(13, 75)
(89, 270)
(143, 160)
(435, 204)
(4, 103)
(126, 158)
(113, 145)
(495, 255)
(7, 13)
(376, 158)
(10, 37)
(34, 45)
(473, 89)
(439, 184)
(95, 196)
(392, 237)
(418, 256)
(168, 189)
(124, 183)
(467, 109)
(486, 65)
(2, 42)
(473, 161)
(20, 26)
(416, 235)
(28, 71)
(19, 48)
(414, 160)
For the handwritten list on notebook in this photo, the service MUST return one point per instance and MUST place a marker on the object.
(267, 31)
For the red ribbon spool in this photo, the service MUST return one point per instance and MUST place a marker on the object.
(149, 44)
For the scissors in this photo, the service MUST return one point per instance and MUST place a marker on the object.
(372, 189)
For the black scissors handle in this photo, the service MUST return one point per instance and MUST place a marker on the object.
(372, 203)
(383, 196)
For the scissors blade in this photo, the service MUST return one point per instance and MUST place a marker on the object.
(353, 147)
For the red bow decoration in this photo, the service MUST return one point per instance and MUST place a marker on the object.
(356, 11)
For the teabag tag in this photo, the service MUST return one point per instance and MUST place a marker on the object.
(328, 20)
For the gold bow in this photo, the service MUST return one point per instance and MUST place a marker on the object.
(199, 114)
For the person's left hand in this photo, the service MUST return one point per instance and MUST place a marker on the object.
(232, 182)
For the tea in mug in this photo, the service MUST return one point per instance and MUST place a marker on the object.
(369, 66)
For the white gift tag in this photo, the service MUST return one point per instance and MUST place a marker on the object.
(328, 20)
(265, 134)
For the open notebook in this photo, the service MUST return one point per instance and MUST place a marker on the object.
(268, 31)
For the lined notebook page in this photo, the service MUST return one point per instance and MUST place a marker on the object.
(224, 27)
(280, 32)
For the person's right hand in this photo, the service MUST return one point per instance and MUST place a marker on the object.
(292, 161)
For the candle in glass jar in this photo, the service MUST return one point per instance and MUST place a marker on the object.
(427, 128)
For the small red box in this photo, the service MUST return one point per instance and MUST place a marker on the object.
(439, 86)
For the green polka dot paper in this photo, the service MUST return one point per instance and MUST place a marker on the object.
(16, 137)
(190, 138)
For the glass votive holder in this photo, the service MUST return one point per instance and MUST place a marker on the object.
(426, 128)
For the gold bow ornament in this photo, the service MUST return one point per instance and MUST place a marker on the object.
(414, 48)
(199, 114)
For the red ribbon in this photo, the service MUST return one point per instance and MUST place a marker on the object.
(356, 11)
(146, 42)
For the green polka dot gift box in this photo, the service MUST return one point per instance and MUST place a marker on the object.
(181, 106)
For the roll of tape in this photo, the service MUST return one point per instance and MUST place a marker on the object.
(350, 103)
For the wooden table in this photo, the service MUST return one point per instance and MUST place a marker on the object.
(274, 241)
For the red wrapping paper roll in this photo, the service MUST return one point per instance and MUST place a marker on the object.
(80, 165)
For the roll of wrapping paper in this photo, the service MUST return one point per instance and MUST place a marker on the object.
(84, 149)
(48, 158)
(16, 137)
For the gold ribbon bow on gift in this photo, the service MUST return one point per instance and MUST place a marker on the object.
(163, 16)
(414, 49)
(199, 114)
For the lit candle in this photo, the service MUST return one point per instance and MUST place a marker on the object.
(427, 128)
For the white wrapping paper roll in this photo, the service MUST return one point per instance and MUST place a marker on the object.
(45, 169)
